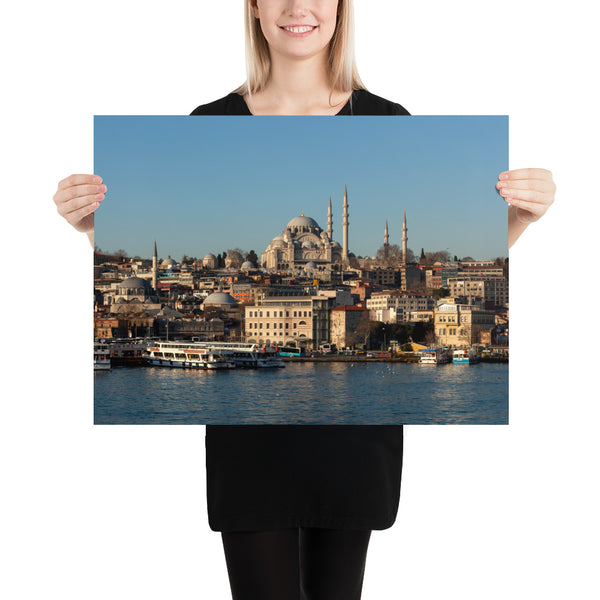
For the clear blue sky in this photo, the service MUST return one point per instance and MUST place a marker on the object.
(206, 184)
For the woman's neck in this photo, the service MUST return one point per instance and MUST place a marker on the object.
(298, 87)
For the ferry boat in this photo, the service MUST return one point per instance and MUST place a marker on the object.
(434, 356)
(101, 356)
(185, 355)
(212, 355)
(247, 355)
(465, 355)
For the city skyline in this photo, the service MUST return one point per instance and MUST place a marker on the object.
(200, 185)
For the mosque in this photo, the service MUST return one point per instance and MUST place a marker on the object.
(303, 245)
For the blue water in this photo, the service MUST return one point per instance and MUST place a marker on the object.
(305, 393)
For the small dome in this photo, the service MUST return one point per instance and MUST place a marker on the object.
(210, 256)
(168, 263)
(247, 265)
(220, 299)
(310, 266)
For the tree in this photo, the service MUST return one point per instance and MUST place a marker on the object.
(442, 256)
(252, 257)
(235, 258)
(391, 255)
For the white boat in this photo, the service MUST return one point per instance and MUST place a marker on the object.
(434, 356)
(248, 355)
(212, 355)
(101, 356)
(465, 355)
(185, 356)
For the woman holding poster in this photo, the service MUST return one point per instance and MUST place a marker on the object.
(296, 504)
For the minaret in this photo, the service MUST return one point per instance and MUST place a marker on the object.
(404, 239)
(154, 268)
(345, 227)
(330, 221)
(386, 240)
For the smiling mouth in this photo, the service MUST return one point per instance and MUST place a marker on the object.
(298, 28)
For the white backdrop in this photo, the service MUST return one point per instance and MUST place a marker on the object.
(119, 512)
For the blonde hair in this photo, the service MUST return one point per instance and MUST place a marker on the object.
(342, 63)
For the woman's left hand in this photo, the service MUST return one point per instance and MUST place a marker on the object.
(530, 191)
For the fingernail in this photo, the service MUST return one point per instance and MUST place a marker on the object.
(97, 179)
(503, 175)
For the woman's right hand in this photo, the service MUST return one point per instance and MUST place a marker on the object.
(76, 199)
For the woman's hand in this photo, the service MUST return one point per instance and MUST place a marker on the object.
(529, 192)
(76, 199)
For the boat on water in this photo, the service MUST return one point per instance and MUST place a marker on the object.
(212, 355)
(101, 356)
(185, 356)
(434, 356)
(248, 355)
(465, 356)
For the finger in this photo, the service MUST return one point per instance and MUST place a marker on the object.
(72, 206)
(76, 216)
(537, 185)
(535, 208)
(78, 191)
(526, 174)
(78, 180)
(526, 195)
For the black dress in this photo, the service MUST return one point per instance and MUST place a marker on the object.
(263, 477)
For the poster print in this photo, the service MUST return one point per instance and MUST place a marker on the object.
(301, 270)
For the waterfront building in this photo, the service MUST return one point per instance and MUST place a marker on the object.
(349, 326)
(461, 325)
(302, 321)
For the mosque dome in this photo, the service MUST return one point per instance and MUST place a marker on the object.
(247, 265)
(209, 256)
(168, 263)
(134, 283)
(310, 266)
(302, 221)
(220, 299)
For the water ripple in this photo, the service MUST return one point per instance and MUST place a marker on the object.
(305, 393)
